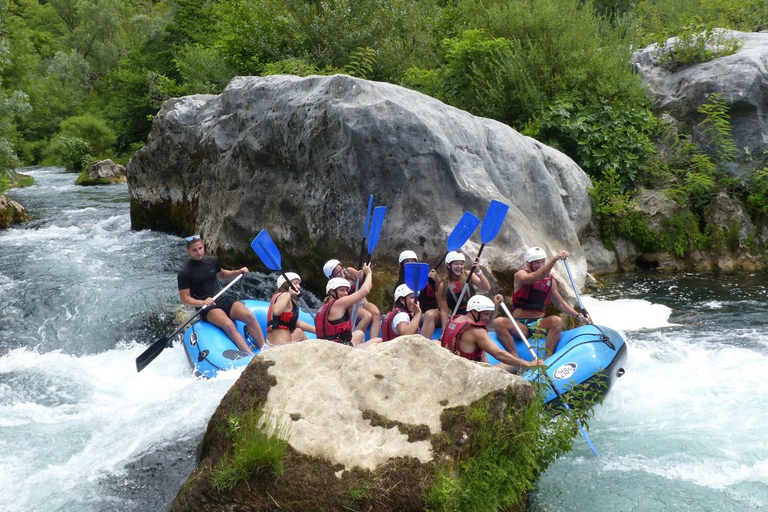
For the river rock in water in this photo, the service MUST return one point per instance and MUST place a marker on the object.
(366, 429)
(300, 156)
(11, 212)
(103, 172)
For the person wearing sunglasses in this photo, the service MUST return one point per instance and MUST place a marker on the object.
(198, 282)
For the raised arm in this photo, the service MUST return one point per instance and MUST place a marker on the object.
(282, 302)
(346, 302)
(477, 278)
(523, 278)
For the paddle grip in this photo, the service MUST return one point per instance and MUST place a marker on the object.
(472, 268)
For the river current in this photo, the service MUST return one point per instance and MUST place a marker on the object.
(80, 430)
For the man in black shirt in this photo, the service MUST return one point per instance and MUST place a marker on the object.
(198, 282)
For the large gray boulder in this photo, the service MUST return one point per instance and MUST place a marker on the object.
(299, 157)
(742, 79)
(366, 429)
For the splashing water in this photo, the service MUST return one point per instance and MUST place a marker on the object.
(682, 429)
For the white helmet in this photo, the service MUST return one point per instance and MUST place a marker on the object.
(291, 277)
(480, 303)
(535, 254)
(407, 255)
(402, 291)
(454, 256)
(334, 283)
(329, 266)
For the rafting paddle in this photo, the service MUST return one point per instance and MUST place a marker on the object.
(494, 218)
(552, 384)
(158, 346)
(365, 233)
(576, 291)
(373, 239)
(416, 276)
(269, 254)
(362, 253)
(461, 232)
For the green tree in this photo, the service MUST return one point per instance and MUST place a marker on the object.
(100, 137)
(13, 105)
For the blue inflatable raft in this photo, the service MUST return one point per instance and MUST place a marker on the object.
(592, 354)
(210, 351)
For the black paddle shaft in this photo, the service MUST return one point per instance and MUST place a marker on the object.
(362, 254)
(441, 261)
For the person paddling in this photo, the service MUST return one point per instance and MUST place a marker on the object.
(404, 317)
(198, 282)
(451, 287)
(467, 335)
(368, 313)
(534, 288)
(333, 321)
(428, 303)
(283, 324)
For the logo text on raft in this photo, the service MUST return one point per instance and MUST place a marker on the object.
(565, 371)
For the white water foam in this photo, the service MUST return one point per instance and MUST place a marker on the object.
(684, 426)
(627, 314)
(91, 417)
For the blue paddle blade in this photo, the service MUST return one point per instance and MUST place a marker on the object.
(376, 222)
(416, 275)
(493, 220)
(368, 216)
(267, 251)
(464, 228)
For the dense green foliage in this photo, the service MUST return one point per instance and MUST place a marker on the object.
(506, 455)
(82, 79)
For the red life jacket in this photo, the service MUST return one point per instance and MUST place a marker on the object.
(533, 296)
(339, 330)
(428, 297)
(387, 332)
(286, 320)
(452, 292)
(452, 335)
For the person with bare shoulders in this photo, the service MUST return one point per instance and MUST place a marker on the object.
(283, 324)
(449, 290)
(534, 288)
(198, 282)
(333, 321)
(367, 313)
(467, 335)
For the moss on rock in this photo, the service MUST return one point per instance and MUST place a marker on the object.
(483, 460)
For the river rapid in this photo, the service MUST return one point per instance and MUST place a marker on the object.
(80, 430)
